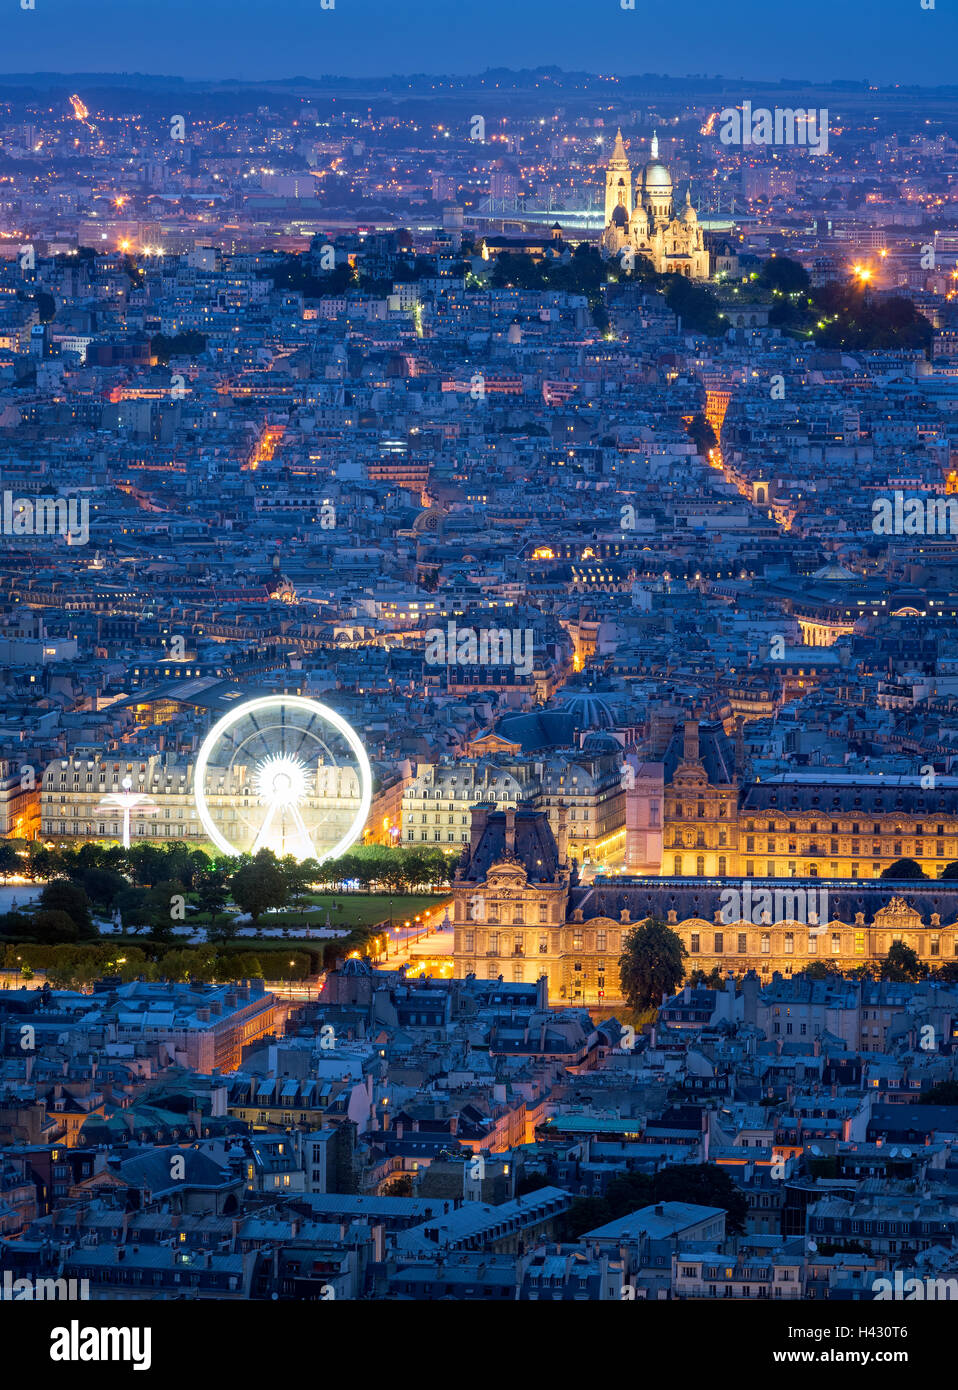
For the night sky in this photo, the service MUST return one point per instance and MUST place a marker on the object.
(885, 41)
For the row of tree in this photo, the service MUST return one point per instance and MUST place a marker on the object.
(159, 886)
(71, 966)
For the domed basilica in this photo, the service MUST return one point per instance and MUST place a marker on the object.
(650, 226)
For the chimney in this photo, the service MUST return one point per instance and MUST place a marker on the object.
(510, 831)
(480, 817)
(690, 752)
(562, 834)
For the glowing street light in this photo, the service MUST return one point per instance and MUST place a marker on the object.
(128, 801)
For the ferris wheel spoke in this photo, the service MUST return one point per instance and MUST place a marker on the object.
(301, 826)
(260, 841)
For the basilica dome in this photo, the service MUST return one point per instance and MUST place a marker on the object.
(656, 177)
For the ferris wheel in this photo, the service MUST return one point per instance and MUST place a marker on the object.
(283, 773)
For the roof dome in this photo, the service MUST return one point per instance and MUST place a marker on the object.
(834, 572)
(597, 742)
(688, 213)
(655, 176)
(590, 711)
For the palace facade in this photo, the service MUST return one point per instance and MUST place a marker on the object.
(520, 912)
(817, 824)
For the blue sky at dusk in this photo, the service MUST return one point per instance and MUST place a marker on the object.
(884, 40)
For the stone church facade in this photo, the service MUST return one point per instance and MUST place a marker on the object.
(649, 224)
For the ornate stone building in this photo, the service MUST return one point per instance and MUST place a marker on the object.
(650, 226)
(521, 913)
(816, 824)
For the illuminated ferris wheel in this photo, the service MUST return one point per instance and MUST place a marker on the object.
(283, 773)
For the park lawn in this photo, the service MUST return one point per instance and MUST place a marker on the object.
(358, 910)
(355, 910)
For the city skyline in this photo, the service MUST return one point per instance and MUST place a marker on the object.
(891, 42)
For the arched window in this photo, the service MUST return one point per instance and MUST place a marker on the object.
(700, 866)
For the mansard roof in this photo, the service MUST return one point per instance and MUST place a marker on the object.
(716, 752)
(702, 898)
(842, 794)
(532, 844)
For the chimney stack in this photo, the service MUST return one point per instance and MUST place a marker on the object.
(480, 816)
(562, 834)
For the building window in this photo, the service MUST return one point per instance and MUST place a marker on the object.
(766, 943)
(743, 943)
(836, 944)
(719, 943)
(694, 945)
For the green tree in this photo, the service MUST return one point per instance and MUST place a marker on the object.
(820, 970)
(942, 1093)
(147, 864)
(701, 433)
(102, 886)
(131, 905)
(901, 964)
(702, 1184)
(585, 1214)
(903, 868)
(212, 895)
(9, 859)
(650, 964)
(950, 870)
(260, 885)
(62, 896)
(695, 305)
(52, 925)
(785, 275)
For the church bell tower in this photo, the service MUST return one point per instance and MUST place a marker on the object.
(618, 184)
